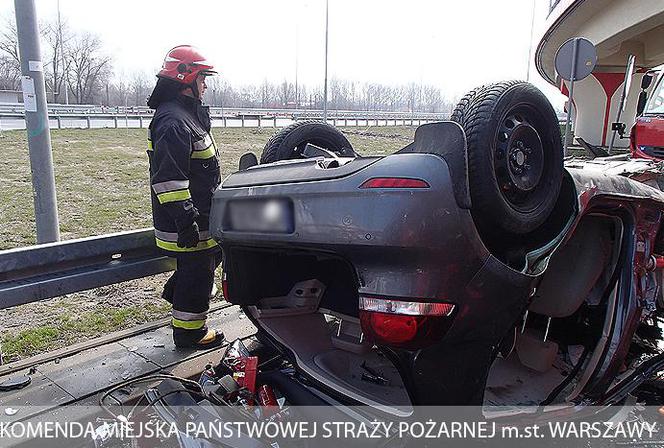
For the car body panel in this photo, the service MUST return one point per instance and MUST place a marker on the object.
(421, 245)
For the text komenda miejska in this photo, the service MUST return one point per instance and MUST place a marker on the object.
(639, 430)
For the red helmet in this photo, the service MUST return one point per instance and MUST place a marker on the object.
(184, 63)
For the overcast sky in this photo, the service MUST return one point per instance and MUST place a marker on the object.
(452, 44)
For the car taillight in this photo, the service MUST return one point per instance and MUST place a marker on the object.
(394, 182)
(404, 324)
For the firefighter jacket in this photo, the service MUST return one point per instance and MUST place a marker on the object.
(184, 172)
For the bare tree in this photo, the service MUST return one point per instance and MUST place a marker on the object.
(432, 100)
(414, 96)
(9, 39)
(118, 91)
(56, 35)
(9, 75)
(302, 96)
(10, 63)
(267, 93)
(140, 87)
(286, 93)
(89, 68)
(213, 95)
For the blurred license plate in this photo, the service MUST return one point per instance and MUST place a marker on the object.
(264, 216)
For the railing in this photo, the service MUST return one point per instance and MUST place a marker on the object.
(34, 273)
(59, 120)
(90, 109)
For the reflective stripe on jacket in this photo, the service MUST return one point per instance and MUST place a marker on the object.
(184, 173)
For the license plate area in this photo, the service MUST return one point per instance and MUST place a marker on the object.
(273, 215)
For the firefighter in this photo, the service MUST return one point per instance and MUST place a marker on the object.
(184, 172)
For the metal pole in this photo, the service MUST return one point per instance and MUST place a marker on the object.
(571, 95)
(297, 50)
(62, 56)
(325, 88)
(36, 121)
(530, 42)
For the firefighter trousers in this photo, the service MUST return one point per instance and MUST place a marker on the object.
(188, 290)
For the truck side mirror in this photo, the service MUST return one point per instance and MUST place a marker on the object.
(619, 128)
(646, 81)
(641, 105)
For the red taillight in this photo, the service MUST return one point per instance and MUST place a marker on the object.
(659, 262)
(404, 324)
(394, 182)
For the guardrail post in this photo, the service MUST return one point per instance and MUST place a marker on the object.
(260, 124)
(334, 122)
(87, 120)
(274, 121)
(242, 120)
(140, 121)
(115, 121)
(223, 119)
(57, 118)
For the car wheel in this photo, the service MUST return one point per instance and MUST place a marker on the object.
(459, 112)
(515, 156)
(290, 141)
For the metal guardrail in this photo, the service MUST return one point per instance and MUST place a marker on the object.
(15, 120)
(219, 112)
(30, 274)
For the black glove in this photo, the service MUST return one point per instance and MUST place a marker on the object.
(189, 236)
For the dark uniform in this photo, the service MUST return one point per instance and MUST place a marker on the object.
(184, 173)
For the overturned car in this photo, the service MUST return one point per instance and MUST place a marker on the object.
(467, 268)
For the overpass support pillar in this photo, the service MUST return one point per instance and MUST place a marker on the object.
(596, 102)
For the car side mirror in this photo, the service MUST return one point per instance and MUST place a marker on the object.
(646, 81)
(312, 151)
(248, 160)
(641, 105)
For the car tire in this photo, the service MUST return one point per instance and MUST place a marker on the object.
(459, 112)
(515, 156)
(290, 141)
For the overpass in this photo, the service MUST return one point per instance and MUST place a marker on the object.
(618, 28)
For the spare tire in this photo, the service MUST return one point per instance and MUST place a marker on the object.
(459, 112)
(515, 156)
(290, 141)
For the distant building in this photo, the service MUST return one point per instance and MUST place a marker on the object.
(11, 96)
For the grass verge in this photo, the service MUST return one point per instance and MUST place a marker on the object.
(72, 328)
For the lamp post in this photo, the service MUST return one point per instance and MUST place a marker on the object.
(36, 122)
(326, 39)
